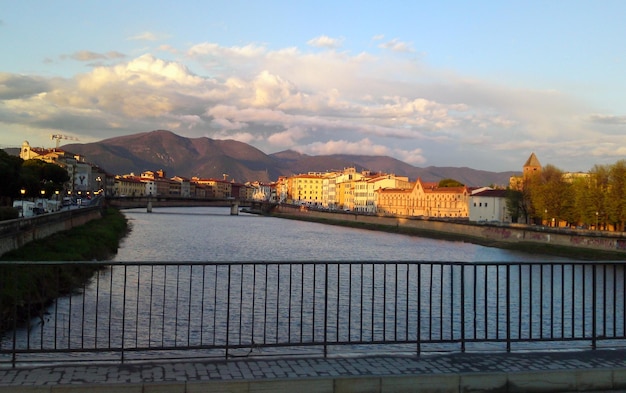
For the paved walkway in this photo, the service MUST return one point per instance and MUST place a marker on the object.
(601, 370)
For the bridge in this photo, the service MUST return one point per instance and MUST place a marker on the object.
(145, 313)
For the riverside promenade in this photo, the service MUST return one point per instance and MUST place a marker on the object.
(563, 371)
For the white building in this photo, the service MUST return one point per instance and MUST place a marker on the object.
(489, 205)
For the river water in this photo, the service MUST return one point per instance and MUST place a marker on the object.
(212, 234)
(251, 296)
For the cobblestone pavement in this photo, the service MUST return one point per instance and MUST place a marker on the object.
(273, 368)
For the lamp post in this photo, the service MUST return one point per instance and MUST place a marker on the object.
(23, 192)
(545, 216)
(597, 214)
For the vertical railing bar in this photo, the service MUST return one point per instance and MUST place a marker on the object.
(56, 308)
(593, 309)
(242, 267)
(384, 302)
(475, 301)
(463, 307)
(521, 299)
(406, 307)
(227, 343)
(265, 306)
(430, 300)
(497, 302)
(552, 300)
(163, 304)
(14, 333)
(441, 269)
(486, 300)
(124, 313)
(508, 308)
(452, 269)
(69, 319)
(584, 299)
(361, 303)
(530, 301)
(277, 300)
(614, 301)
(177, 305)
(573, 312)
(373, 300)
(202, 294)
(82, 325)
(338, 303)
(541, 301)
(419, 309)
(252, 336)
(137, 306)
(604, 303)
(110, 303)
(215, 275)
(325, 309)
(150, 308)
(97, 308)
(189, 304)
(290, 304)
(563, 301)
(395, 311)
(302, 302)
(350, 303)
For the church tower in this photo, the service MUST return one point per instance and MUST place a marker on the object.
(532, 166)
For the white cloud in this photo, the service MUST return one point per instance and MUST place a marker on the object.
(145, 36)
(319, 101)
(325, 41)
(396, 45)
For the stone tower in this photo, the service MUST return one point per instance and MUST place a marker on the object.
(532, 166)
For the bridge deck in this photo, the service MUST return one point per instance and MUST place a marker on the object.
(600, 370)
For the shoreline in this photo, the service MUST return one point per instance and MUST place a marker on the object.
(525, 245)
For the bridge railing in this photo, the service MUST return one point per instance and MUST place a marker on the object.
(142, 311)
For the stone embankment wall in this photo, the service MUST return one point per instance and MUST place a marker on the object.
(17, 233)
(482, 232)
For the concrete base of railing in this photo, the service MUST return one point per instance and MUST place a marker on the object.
(17, 233)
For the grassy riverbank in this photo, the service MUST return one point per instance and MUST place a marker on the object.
(32, 288)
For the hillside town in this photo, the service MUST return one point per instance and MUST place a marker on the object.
(362, 192)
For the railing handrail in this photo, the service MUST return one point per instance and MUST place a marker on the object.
(202, 308)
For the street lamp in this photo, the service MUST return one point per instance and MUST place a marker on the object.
(597, 220)
(23, 192)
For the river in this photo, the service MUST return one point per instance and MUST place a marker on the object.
(212, 234)
(147, 299)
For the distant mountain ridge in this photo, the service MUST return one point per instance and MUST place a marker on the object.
(210, 158)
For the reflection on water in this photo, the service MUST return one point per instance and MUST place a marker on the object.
(212, 234)
(242, 305)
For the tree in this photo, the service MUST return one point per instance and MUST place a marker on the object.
(616, 201)
(450, 183)
(10, 167)
(38, 175)
(550, 193)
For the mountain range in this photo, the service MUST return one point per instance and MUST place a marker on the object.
(211, 158)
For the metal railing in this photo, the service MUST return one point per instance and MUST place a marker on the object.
(142, 311)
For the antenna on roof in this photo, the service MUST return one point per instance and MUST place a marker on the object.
(58, 137)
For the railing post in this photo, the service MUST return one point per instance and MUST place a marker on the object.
(228, 313)
(508, 308)
(463, 307)
(123, 311)
(593, 309)
(326, 309)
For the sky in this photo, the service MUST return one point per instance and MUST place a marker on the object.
(478, 84)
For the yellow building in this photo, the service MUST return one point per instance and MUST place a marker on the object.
(305, 189)
(424, 199)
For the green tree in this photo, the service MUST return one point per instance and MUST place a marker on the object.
(550, 193)
(450, 183)
(616, 201)
(39, 175)
(10, 167)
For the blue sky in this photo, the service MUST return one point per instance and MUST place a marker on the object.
(479, 84)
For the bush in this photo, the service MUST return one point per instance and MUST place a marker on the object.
(8, 213)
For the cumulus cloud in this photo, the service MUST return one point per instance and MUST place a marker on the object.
(325, 41)
(145, 36)
(321, 102)
(396, 45)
